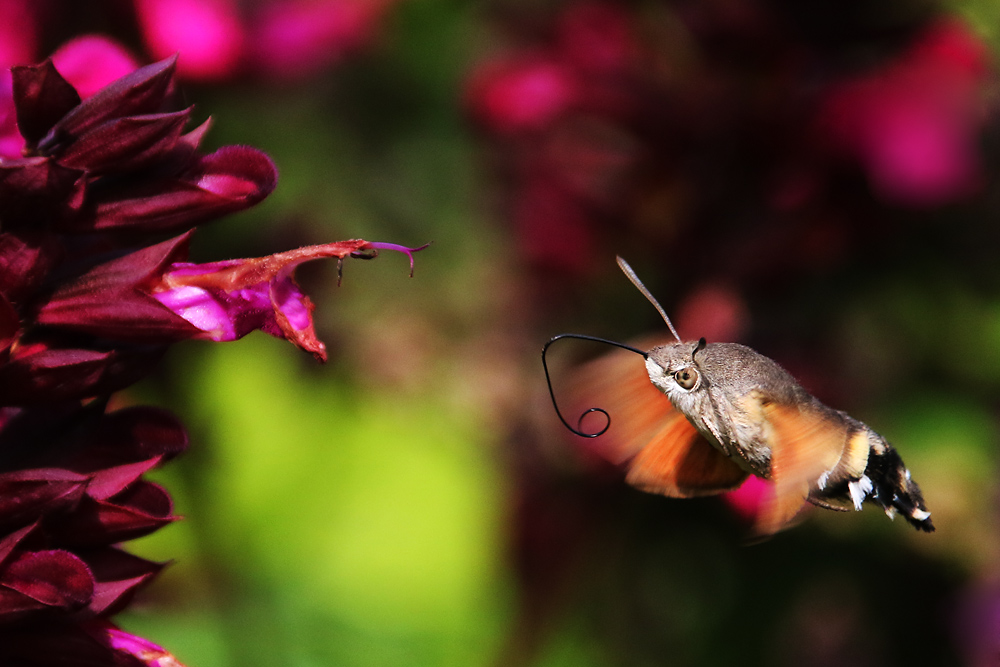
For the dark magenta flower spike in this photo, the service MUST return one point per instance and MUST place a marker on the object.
(90, 298)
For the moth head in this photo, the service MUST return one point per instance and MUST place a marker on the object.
(674, 369)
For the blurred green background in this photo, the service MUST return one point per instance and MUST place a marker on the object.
(415, 502)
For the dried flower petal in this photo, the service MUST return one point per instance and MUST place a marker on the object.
(52, 578)
(131, 435)
(111, 481)
(26, 257)
(9, 326)
(138, 511)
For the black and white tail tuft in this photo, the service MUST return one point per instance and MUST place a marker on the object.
(894, 490)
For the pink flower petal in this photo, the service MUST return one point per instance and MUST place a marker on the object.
(200, 308)
(913, 125)
(597, 37)
(227, 300)
(137, 647)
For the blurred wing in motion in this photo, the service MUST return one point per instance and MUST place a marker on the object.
(679, 462)
(805, 443)
(663, 452)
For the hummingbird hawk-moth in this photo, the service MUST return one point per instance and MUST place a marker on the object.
(729, 412)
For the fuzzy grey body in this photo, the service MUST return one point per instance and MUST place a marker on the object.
(719, 405)
(724, 389)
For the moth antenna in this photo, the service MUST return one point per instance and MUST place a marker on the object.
(649, 297)
(698, 347)
(548, 380)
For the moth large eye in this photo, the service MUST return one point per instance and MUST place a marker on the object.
(686, 377)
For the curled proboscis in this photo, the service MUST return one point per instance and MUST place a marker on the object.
(548, 379)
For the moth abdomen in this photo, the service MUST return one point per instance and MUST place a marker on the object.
(870, 470)
(879, 476)
(894, 490)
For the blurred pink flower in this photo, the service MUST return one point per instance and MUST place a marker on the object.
(568, 102)
(748, 500)
(217, 39)
(914, 124)
(596, 38)
(300, 37)
(18, 32)
(553, 230)
(207, 33)
(977, 624)
(522, 93)
(287, 39)
(582, 70)
(715, 311)
(91, 62)
(18, 42)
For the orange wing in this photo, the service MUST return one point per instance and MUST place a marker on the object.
(680, 463)
(805, 443)
(665, 453)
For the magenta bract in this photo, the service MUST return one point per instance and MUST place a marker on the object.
(231, 179)
(112, 301)
(42, 98)
(144, 91)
